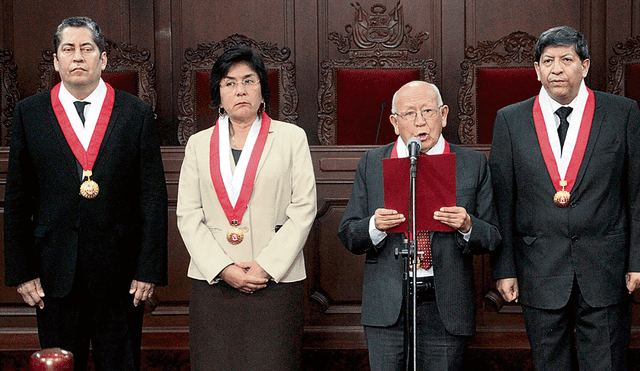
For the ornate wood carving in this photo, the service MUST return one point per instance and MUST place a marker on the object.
(10, 94)
(514, 50)
(627, 52)
(203, 58)
(121, 57)
(377, 34)
(376, 40)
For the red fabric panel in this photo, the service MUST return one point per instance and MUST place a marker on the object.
(205, 117)
(125, 81)
(359, 95)
(497, 88)
(632, 82)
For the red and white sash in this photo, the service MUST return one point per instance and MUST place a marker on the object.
(87, 157)
(578, 151)
(219, 158)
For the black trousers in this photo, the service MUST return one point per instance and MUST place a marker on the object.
(111, 325)
(601, 334)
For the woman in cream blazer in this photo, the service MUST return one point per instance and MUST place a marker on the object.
(246, 297)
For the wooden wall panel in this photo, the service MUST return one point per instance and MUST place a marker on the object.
(35, 21)
(167, 27)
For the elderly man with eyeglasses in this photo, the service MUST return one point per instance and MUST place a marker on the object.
(445, 295)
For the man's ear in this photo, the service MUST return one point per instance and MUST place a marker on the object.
(445, 113)
(394, 122)
(56, 62)
(585, 67)
(103, 59)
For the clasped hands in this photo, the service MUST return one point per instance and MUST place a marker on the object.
(455, 217)
(32, 292)
(246, 277)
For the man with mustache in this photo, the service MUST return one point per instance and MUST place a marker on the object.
(566, 177)
(86, 207)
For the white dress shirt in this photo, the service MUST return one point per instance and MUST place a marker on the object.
(552, 121)
(91, 111)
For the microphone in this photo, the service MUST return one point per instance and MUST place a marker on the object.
(414, 145)
(382, 107)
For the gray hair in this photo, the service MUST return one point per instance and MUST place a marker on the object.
(96, 33)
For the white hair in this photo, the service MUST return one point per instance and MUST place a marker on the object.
(393, 101)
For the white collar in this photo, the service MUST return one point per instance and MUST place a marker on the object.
(96, 96)
(233, 179)
(403, 151)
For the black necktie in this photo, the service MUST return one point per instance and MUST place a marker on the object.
(563, 113)
(80, 108)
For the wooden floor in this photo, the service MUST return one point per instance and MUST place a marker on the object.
(321, 360)
(313, 360)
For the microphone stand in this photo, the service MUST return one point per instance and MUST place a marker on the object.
(382, 107)
(410, 253)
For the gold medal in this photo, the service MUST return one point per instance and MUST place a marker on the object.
(89, 189)
(561, 198)
(235, 235)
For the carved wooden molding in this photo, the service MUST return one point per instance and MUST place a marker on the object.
(10, 94)
(327, 100)
(203, 58)
(627, 52)
(121, 57)
(514, 50)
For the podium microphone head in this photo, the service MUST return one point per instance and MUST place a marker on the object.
(414, 145)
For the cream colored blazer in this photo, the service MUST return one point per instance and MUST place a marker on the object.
(284, 194)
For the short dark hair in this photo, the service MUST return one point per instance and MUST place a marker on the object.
(562, 36)
(232, 56)
(96, 33)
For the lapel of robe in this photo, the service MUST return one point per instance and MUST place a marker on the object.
(596, 126)
(115, 113)
(267, 148)
(385, 154)
(67, 153)
(532, 141)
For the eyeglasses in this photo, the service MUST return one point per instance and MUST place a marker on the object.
(412, 116)
(247, 83)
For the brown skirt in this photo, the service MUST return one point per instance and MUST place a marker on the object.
(231, 331)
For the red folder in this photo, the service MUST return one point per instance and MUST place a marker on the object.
(435, 188)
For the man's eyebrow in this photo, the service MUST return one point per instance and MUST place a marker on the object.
(72, 44)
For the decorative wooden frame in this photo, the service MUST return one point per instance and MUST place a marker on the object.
(375, 40)
(203, 58)
(327, 97)
(9, 94)
(626, 53)
(121, 57)
(515, 50)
